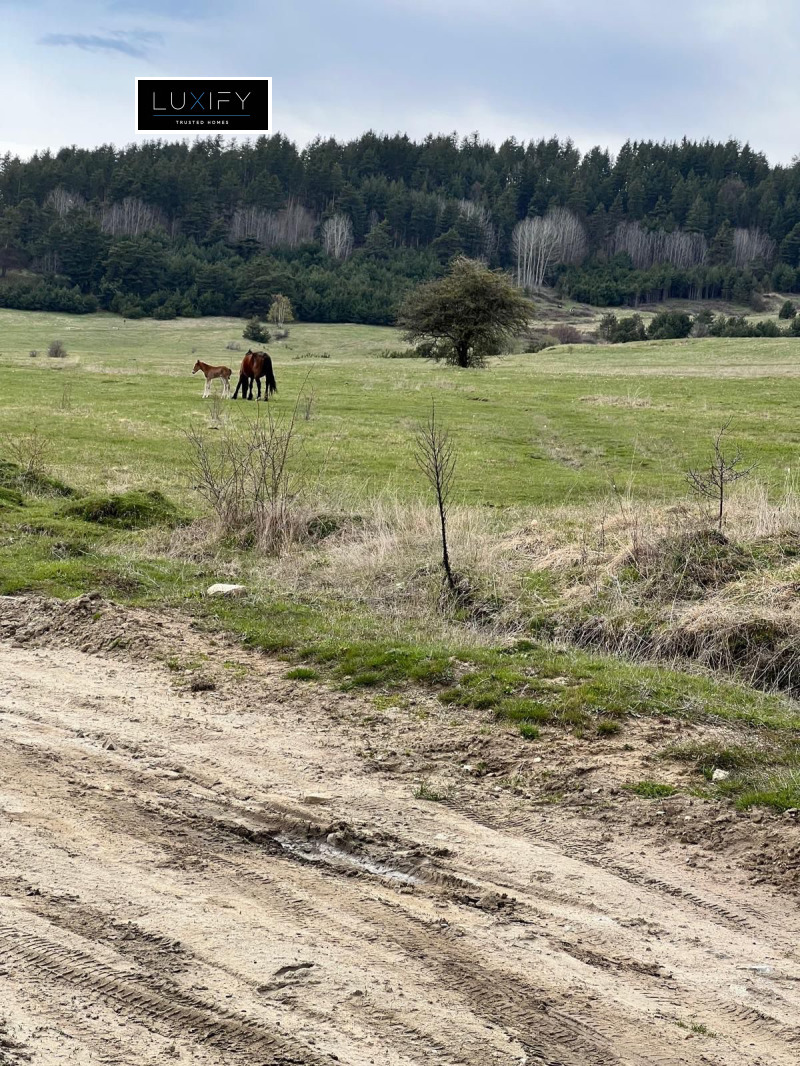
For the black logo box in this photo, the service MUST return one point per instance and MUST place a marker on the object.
(204, 105)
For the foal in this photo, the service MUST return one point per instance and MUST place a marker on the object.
(211, 372)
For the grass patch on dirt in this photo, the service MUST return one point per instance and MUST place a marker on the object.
(651, 789)
(764, 773)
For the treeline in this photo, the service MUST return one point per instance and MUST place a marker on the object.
(674, 325)
(344, 229)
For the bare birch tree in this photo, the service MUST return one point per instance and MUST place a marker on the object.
(337, 236)
(478, 213)
(541, 242)
(292, 225)
(63, 201)
(130, 217)
(750, 244)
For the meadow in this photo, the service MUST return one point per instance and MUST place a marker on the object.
(565, 426)
(597, 589)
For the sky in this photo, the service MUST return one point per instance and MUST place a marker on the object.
(598, 71)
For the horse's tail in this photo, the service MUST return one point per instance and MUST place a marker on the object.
(272, 385)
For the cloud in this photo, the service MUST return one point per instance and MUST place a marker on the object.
(128, 42)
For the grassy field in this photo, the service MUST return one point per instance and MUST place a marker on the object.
(561, 426)
(570, 464)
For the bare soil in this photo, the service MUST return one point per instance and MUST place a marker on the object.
(214, 864)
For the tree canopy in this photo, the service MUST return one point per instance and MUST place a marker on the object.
(344, 229)
(466, 315)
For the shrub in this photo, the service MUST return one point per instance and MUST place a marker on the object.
(125, 510)
(248, 475)
(669, 325)
(233, 346)
(255, 331)
(567, 334)
(788, 310)
(56, 350)
(622, 330)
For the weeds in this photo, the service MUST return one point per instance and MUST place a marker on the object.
(426, 791)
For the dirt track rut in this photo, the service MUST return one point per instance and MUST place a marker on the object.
(223, 877)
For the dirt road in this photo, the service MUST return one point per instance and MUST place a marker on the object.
(243, 874)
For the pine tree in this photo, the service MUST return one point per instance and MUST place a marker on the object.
(699, 216)
(721, 250)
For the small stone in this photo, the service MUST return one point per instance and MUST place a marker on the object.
(222, 589)
(720, 775)
(315, 799)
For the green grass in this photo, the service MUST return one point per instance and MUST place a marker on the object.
(651, 789)
(566, 424)
(560, 427)
(302, 673)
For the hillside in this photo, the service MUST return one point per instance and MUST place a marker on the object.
(345, 228)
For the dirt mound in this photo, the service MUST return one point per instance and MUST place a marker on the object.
(87, 622)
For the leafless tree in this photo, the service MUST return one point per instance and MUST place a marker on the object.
(538, 243)
(292, 225)
(648, 247)
(750, 244)
(337, 236)
(63, 201)
(479, 214)
(436, 459)
(723, 470)
(130, 217)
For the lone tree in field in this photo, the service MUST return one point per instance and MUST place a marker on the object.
(466, 315)
(723, 470)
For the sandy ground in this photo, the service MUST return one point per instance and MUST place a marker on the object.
(243, 874)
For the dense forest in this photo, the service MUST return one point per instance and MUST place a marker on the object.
(344, 229)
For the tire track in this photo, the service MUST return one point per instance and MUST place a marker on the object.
(151, 999)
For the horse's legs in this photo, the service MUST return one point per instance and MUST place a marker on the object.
(250, 386)
(258, 386)
(207, 388)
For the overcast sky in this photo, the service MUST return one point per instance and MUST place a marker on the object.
(599, 71)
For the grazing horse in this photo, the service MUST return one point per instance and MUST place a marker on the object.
(211, 372)
(255, 366)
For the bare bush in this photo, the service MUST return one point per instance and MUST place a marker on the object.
(33, 353)
(233, 346)
(568, 334)
(247, 474)
(57, 350)
(723, 470)
(31, 452)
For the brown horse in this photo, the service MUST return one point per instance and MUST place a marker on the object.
(211, 372)
(255, 366)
